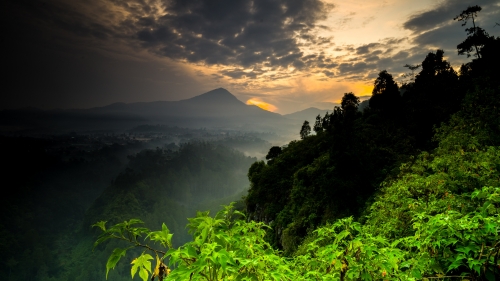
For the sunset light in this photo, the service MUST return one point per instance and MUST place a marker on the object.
(262, 104)
(291, 54)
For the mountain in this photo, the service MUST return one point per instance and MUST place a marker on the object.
(213, 104)
(308, 114)
(216, 108)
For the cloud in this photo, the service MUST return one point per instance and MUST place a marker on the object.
(364, 49)
(446, 37)
(329, 74)
(234, 32)
(240, 73)
(262, 104)
(358, 67)
(443, 14)
(435, 28)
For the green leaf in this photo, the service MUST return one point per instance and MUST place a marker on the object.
(141, 264)
(163, 236)
(114, 258)
(416, 273)
(191, 251)
(101, 225)
(101, 239)
(366, 276)
(143, 273)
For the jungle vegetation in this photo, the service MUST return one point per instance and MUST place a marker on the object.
(407, 189)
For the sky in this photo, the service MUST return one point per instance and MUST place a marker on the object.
(282, 55)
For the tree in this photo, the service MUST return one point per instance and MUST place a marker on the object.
(318, 125)
(305, 131)
(349, 102)
(411, 74)
(432, 98)
(385, 94)
(476, 38)
(274, 152)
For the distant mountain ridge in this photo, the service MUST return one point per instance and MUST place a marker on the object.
(217, 103)
(217, 108)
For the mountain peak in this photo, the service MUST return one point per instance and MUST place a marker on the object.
(219, 95)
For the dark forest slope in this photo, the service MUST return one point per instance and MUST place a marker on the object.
(334, 173)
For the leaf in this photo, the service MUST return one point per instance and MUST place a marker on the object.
(101, 239)
(342, 235)
(163, 236)
(143, 273)
(416, 273)
(366, 276)
(101, 225)
(157, 267)
(141, 264)
(113, 259)
(191, 251)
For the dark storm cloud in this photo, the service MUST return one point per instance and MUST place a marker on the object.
(234, 32)
(227, 32)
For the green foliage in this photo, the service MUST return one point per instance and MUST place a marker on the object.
(224, 247)
(446, 244)
(437, 217)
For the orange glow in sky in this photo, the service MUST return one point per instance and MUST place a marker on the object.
(262, 104)
(316, 55)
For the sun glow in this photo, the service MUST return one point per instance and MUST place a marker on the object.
(262, 104)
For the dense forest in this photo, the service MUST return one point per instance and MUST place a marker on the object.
(59, 187)
(406, 189)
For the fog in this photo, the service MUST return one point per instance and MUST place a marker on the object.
(158, 162)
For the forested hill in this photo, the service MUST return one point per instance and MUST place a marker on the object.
(162, 186)
(59, 186)
(342, 159)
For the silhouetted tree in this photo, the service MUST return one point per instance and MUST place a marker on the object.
(274, 152)
(349, 102)
(476, 38)
(411, 74)
(433, 97)
(318, 125)
(305, 130)
(486, 47)
(385, 94)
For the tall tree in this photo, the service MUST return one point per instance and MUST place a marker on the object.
(318, 125)
(476, 38)
(433, 97)
(305, 131)
(349, 102)
(385, 94)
